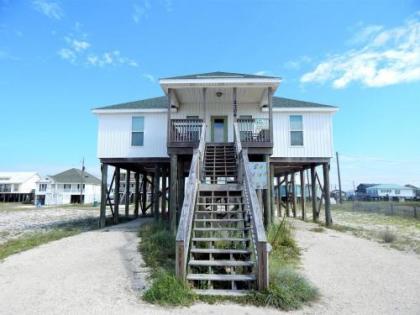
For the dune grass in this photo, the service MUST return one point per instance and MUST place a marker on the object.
(31, 240)
(288, 289)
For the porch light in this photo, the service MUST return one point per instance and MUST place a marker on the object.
(219, 94)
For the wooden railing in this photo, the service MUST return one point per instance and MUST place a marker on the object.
(259, 238)
(254, 130)
(185, 131)
(185, 222)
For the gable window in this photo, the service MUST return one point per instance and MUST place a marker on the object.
(296, 130)
(42, 187)
(137, 131)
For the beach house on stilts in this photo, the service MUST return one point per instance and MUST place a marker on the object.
(209, 157)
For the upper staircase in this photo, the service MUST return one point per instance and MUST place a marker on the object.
(221, 243)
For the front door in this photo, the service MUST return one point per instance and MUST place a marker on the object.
(219, 129)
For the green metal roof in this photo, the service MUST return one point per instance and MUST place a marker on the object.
(162, 102)
(74, 175)
(220, 75)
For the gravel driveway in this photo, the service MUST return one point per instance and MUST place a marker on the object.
(98, 272)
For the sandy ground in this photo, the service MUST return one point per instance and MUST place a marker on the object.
(99, 272)
(25, 220)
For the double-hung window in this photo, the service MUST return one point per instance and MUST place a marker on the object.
(296, 130)
(137, 131)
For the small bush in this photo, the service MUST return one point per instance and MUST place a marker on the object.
(387, 236)
(157, 246)
(288, 291)
(166, 289)
(285, 250)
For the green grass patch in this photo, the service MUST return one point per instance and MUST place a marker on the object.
(32, 240)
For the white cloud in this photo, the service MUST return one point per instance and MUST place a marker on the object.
(49, 8)
(149, 77)
(389, 56)
(78, 51)
(297, 63)
(141, 11)
(111, 58)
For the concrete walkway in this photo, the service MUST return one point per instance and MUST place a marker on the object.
(100, 272)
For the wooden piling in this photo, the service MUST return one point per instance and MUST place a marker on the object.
(104, 192)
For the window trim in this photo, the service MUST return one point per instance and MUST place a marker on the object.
(301, 130)
(135, 131)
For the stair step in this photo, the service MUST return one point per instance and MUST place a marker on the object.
(219, 251)
(213, 292)
(219, 239)
(218, 277)
(219, 220)
(198, 229)
(227, 263)
(219, 212)
(219, 187)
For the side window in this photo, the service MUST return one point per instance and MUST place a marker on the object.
(137, 131)
(296, 130)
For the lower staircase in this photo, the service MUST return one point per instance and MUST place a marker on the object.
(221, 260)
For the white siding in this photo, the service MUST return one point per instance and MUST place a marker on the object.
(114, 136)
(317, 135)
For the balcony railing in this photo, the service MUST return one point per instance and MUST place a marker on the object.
(185, 132)
(254, 130)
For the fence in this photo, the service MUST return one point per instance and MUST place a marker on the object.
(388, 208)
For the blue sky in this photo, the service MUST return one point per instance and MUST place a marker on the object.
(60, 59)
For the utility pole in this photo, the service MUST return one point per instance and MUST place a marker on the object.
(82, 176)
(339, 179)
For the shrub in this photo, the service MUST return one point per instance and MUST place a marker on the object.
(288, 291)
(387, 236)
(285, 250)
(166, 289)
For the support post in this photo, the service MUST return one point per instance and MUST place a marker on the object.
(136, 194)
(163, 195)
(104, 191)
(302, 193)
(340, 198)
(127, 193)
(294, 194)
(173, 192)
(272, 194)
(181, 187)
(326, 173)
(313, 193)
(156, 180)
(117, 195)
(144, 193)
(287, 195)
(235, 105)
(278, 197)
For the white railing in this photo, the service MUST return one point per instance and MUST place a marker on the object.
(259, 237)
(185, 222)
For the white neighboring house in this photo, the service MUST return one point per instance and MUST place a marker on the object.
(392, 191)
(65, 188)
(17, 186)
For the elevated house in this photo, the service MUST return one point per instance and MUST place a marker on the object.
(17, 186)
(68, 187)
(210, 152)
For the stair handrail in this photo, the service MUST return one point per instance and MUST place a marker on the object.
(183, 235)
(262, 248)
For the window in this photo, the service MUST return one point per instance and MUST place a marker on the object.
(16, 187)
(78, 186)
(42, 187)
(137, 131)
(67, 187)
(296, 130)
(397, 191)
(193, 117)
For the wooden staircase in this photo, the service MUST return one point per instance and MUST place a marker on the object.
(221, 245)
(221, 260)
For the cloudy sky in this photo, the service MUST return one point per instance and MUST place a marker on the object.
(59, 59)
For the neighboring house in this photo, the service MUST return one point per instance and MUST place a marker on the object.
(416, 190)
(66, 188)
(385, 191)
(17, 186)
